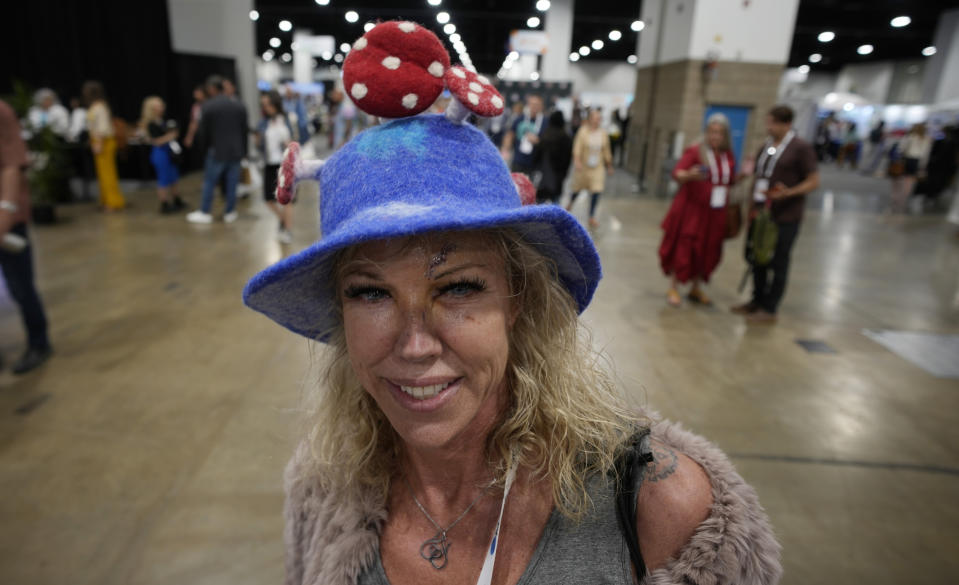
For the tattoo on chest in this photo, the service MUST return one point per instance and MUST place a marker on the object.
(663, 465)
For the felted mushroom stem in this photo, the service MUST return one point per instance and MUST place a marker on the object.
(294, 169)
(456, 112)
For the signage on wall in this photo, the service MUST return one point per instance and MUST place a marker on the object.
(529, 42)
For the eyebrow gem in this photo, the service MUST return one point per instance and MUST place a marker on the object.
(439, 259)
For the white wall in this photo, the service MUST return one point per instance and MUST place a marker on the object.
(760, 32)
(942, 80)
(870, 80)
(603, 77)
(558, 25)
(813, 86)
(907, 82)
(221, 28)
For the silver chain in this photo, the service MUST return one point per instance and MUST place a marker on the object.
(435, 549)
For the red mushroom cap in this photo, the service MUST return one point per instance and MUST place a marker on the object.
(475, 92)
(525, 188)
(286, 178)
(395, 70)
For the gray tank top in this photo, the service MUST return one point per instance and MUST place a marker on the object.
(591, 551)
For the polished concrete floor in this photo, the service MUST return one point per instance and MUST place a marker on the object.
(149, 449)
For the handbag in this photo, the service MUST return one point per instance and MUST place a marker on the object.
(896, 168)
(761, 244)
(734, 220)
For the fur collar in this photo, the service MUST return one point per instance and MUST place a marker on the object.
(330, 540)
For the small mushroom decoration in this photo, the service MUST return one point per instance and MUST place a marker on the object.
(525, 188)
(292, 169)
(472, 93)
(395, 70)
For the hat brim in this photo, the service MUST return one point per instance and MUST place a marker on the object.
(298, 294)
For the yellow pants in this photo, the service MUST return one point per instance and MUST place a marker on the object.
(106, 163)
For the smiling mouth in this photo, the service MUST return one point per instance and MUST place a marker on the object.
(424, 392)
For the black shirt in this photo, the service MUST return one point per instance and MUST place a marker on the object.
(223, 128)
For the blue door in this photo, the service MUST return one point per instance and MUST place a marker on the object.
(738, 120)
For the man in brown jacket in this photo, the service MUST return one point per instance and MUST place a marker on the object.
(16, 256)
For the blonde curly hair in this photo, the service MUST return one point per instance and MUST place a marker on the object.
(566, 420)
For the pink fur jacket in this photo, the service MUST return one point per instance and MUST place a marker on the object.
(330, 540)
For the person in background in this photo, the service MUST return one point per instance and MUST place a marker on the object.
(162, 135)
(223, 130)
(914, 148)
(78, 121)
(786, 170)
(273, 134)
(695, 226)
(552, 159)
(229, 89)
(16, 252)
(104, 145)
(592, 160)
(47, 112)
(296, 112)
(344, 119)
(876, 137)
(199, 96)
(849, 151)
(523, 136)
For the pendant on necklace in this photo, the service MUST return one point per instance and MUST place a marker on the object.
(434, 550)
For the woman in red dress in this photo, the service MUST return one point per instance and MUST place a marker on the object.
(695, 226)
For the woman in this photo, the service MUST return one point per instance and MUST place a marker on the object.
(552, 159)
(47, 112)
(695, 225)
(914, 149)
(463, 431)
(591, 152)
(162, 135)
(273, 135)
(199, 96)
(104, 146)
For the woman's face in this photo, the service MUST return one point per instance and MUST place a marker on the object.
(426, 326)
(267, 105)
(715, 135)
(158, 108)
(595, 117)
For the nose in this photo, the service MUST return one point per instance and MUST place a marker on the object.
(418, 340)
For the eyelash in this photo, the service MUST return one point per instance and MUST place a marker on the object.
(375, 293)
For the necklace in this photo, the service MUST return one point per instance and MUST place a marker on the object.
(435, 549)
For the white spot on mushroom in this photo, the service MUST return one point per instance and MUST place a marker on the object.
(391, 62)
(483, 80)
(459, 73)
(436, 69)
(407, 27)
(358, 91)
(476, 87)
(497, 101)
(359, 44)
(473, 98)
(409, 101)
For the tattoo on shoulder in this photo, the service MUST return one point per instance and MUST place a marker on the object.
(663, 465)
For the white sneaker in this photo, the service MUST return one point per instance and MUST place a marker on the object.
(199, 217)
(230, 217)
(284, 237)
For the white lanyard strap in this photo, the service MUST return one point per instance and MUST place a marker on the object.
(767, 163)
(714, 172)
(486, 575)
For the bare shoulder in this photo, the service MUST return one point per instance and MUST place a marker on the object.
(673, 501)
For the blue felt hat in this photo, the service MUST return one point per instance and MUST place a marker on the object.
(411, 176)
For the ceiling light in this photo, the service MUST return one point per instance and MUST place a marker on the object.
(345, 47)
(322, 2)
(534, 75)
(929, 51)
(294, 46)
(434, 2)
(327, 55)
(815, 58)
(574, 57)
(637, 25)
(826, 36)
(864, 49)
(804, 69)
(615, 35)
(631, 59)
(449, 28)
(848, 107)
(254, 15)
(532, 21)
(338, 58)
(900, 21)
(597, 44)
(286, 57)
(542, 5)
(455, 38)
(286, 25)
(513, 55)
(275, 42)
(351, 16)
(368, 27)
(268, 56)
(508, 65)
(584, 50)
(442, 17)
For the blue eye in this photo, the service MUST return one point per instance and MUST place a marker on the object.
(462, 288)
(366, 293)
